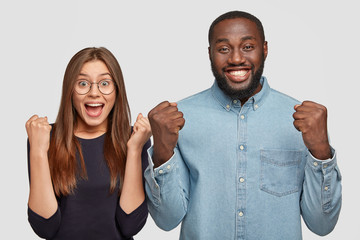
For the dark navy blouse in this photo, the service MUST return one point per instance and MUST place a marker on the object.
(92, 212)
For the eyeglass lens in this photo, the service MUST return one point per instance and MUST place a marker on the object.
(106, 86)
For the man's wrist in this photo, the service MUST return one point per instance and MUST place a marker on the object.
(322, 152)
(160, 156)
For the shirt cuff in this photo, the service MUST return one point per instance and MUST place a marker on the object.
(155, 177)
(162, 169)
(325, 170)
(324, 166)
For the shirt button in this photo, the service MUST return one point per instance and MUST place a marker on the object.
(326, 188)
(241, 214)
(235, 101)
(241, 147)
(168, 166)
(315, 164)
(242, 180)
(325, 165)
(256, 106)
(228, 106)
(161, 171)
(242, 116)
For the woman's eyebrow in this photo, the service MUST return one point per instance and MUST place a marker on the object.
(86, 75)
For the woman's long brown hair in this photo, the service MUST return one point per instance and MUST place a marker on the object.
(64, 146)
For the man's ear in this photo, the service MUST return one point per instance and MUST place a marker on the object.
(265, 49)
(209, 52)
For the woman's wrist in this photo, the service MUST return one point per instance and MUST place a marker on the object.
(134, 147)
(38, 154)
(134, 151)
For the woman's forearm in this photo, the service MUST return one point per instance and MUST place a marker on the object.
(132, 194)
(42, 198)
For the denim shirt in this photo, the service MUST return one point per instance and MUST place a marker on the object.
(242, 172)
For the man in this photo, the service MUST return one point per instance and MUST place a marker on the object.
(249, 160)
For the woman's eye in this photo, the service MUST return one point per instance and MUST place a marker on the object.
(105, 83)
(83, 83)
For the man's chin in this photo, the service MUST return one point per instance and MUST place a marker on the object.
(238, 90)
(238, 85)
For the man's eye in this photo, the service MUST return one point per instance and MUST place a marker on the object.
(224, 50)
(248, 47)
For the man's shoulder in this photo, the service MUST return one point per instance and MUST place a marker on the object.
(282, 97)
(196, 98)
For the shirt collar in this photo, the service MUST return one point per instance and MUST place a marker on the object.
(256, 101)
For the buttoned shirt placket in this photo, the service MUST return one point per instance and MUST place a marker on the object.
(241, 113)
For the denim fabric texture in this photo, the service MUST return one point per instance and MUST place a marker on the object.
(242, 172)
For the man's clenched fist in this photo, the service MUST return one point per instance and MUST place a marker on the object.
(310, 119)
(166, 121)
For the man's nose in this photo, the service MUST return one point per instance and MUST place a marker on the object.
(236, 57)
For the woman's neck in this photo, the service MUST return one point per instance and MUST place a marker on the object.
(82, 130)
(89, 134)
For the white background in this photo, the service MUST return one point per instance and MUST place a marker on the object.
(162, 49)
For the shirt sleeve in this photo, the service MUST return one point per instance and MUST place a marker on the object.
(130, 224)
(321, 197)
(167, 189)
(43, 227)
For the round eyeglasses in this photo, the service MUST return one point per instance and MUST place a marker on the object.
(106, 86)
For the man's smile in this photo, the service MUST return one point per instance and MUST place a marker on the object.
(237, 75)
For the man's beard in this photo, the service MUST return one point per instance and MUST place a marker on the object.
(242, 94)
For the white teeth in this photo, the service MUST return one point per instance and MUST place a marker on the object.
(94, 104)
(240, 73)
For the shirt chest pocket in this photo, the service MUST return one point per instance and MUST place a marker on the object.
(280, 171)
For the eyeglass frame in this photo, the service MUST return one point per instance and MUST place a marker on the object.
(97, 83)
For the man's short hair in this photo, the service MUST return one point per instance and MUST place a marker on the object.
(237, 14)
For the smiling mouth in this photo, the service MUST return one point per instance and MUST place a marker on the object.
(94, 109)
(238, 75)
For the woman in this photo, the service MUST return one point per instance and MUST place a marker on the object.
(86, 169)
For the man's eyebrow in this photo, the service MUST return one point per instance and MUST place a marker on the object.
(221, 40)
(248, 38)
